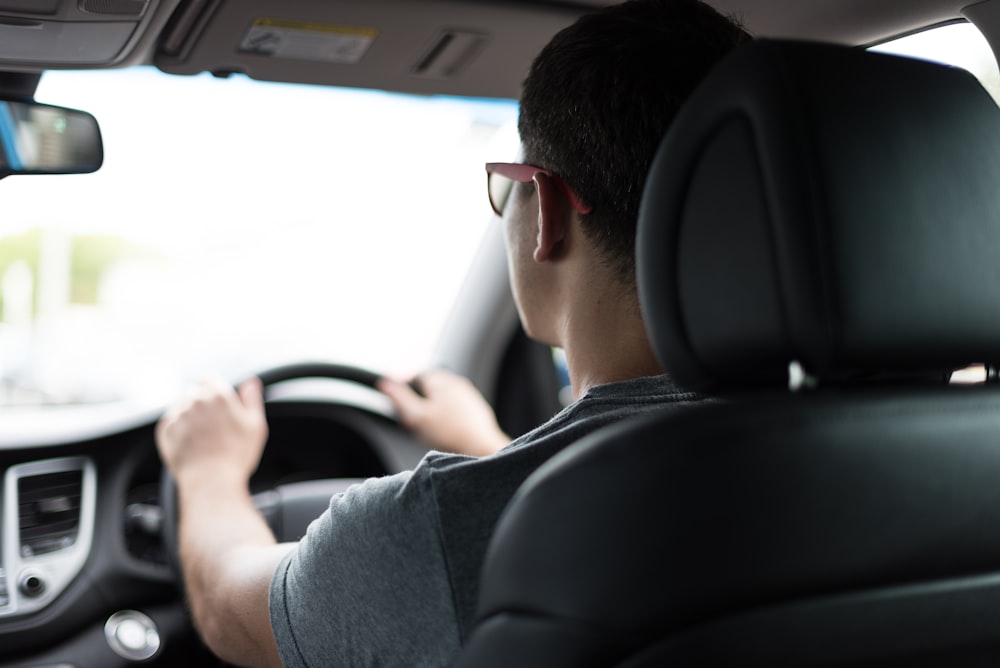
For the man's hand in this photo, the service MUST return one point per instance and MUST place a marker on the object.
(211, 442)
(451, 416)
(215, 431)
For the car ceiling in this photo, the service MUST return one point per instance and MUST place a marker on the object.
(458, 47)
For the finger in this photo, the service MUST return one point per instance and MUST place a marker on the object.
(251, 393)
(435, 378)
(216, 387)
(407, 402)
(160, 432)
(183, 404)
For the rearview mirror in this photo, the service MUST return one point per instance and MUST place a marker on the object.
(42, 139)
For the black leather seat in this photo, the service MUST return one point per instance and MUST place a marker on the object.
(831, 216)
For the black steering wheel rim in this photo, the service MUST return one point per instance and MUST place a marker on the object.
(302, 370)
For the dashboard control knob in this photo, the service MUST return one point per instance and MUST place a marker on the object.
(132, 635)
(31, 584)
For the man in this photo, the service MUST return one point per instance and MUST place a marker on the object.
(389, 574)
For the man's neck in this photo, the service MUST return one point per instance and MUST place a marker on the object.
(605, 341)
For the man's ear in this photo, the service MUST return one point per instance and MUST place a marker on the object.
(554, 215)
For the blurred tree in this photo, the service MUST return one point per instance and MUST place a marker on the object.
(90, 257)
(25, 247)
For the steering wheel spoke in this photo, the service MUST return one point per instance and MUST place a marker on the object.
(289, 509)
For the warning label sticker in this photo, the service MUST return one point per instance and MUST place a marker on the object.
(307, 41)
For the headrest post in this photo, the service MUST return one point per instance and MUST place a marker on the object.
(799, 379)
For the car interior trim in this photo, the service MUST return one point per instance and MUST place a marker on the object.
(35, 580)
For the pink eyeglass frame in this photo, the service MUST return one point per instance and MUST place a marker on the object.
(522, 173)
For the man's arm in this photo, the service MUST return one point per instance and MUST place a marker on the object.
(212, 443)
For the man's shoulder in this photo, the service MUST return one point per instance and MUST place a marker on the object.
(605, 404)
(600, 406)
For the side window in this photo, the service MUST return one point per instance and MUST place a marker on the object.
(562, 373)
(957, 44)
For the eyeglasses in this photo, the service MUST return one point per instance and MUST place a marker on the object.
(500, 178)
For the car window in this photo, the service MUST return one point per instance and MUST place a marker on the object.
(237, 224)
(958, 44)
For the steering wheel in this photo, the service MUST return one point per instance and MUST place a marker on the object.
(287, 508)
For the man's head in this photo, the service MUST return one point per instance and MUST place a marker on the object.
(600, 96)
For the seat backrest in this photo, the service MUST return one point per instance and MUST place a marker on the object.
(824, 218)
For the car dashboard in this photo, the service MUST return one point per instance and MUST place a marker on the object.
(87, 578)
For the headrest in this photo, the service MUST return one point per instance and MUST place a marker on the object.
(828, 206)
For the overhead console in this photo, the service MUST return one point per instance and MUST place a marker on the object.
(447, 47)
(48, 34)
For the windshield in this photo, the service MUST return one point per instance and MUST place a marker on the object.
(235, 225)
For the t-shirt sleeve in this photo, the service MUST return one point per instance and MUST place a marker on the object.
(368, 584)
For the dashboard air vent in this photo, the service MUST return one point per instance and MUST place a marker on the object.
(49, 511)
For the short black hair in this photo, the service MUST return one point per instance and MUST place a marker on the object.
(600, 96)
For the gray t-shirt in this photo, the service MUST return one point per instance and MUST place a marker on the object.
(388, 576)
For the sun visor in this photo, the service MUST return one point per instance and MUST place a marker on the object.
(412, 46)
(57, 34)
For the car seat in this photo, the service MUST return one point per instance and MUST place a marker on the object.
(818, 247)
